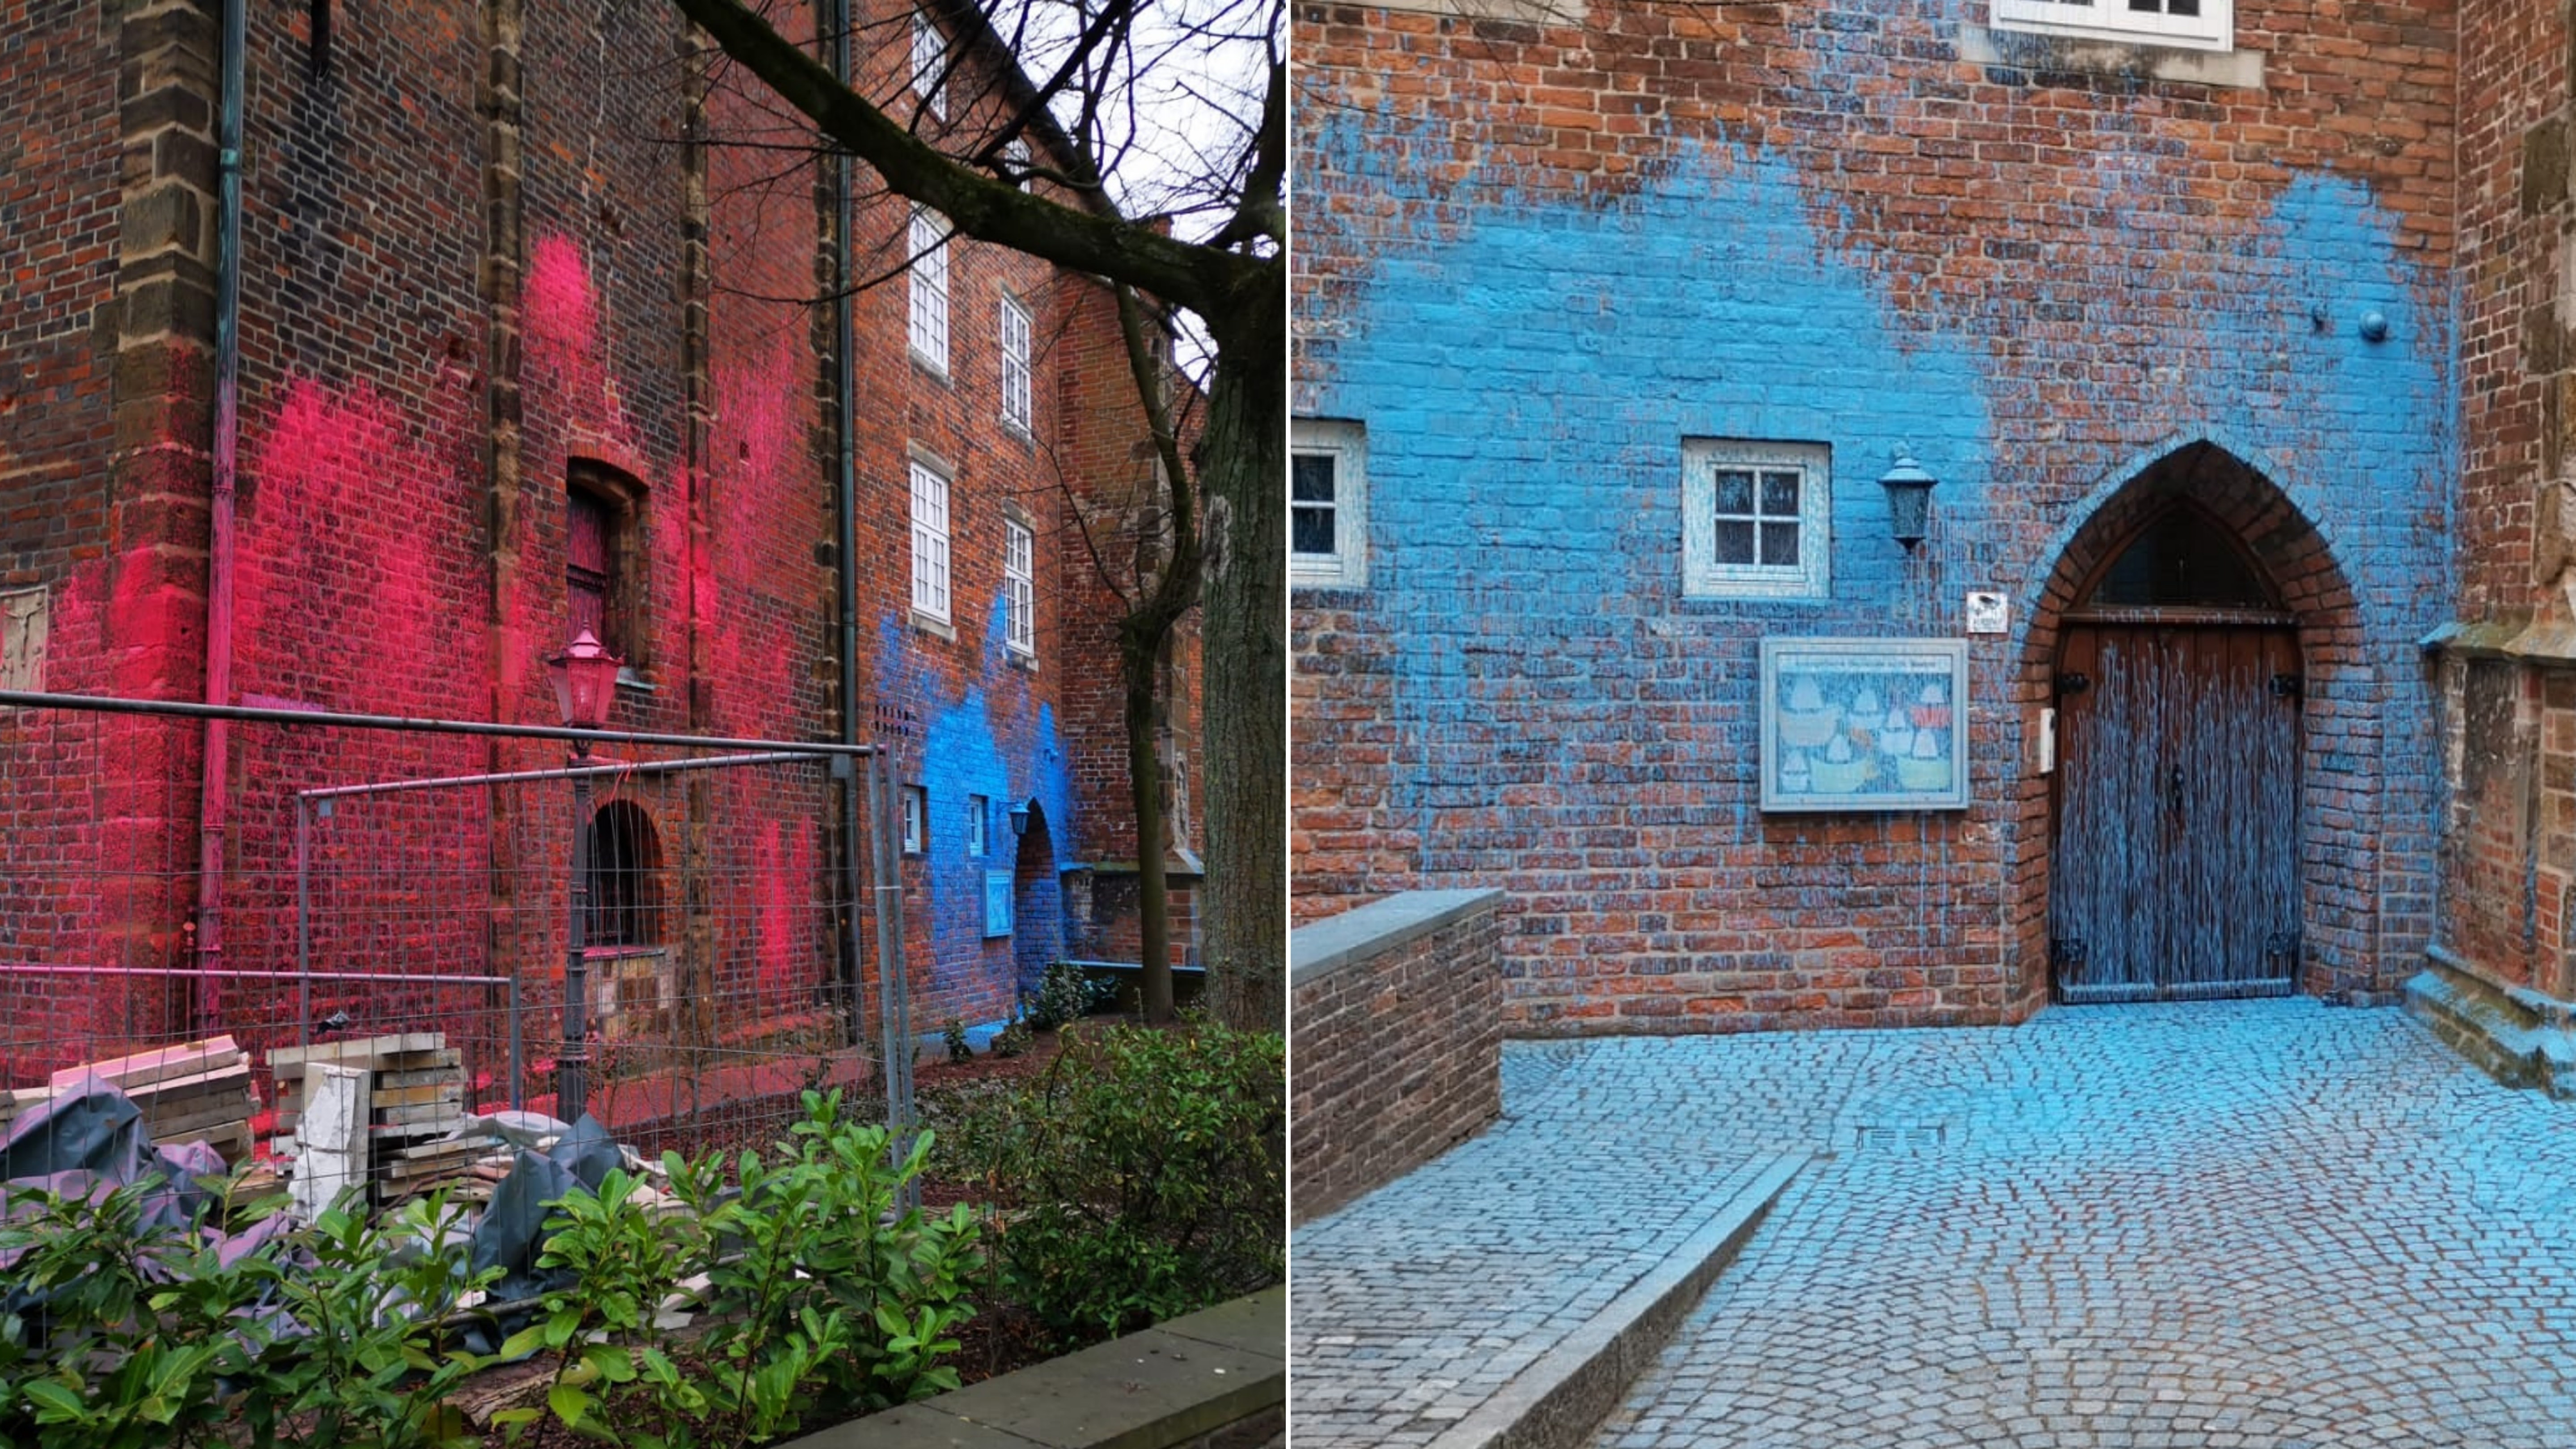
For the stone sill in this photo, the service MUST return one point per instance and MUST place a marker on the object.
(2040, 52)
(2507, 636)
(1374, 929)
(1174, 1384)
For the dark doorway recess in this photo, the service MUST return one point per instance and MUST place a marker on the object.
(2176, 850)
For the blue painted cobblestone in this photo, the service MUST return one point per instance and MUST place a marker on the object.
(2256, 1224)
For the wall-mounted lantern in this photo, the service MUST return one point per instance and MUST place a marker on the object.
(1020, 818)
(1909, 498)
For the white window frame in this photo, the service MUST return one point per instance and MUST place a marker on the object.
(1703, 577)
(1347, 444)
(979, 810)
(1019, 158)
(1019, 332)
(929, 54)
(1019, 588)
(916, 819)
(929, 238)
(2213, 29)
(932, 580)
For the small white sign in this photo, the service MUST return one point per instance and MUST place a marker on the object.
(2048, 741)
(1988, 613)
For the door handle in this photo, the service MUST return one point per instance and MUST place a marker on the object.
(2173, 792)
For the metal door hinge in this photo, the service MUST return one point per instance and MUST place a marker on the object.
(2074, 683)
(2289, 686)
(2066, 951)
(2282, 946)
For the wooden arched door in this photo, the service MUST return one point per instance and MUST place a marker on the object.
(2175, 871)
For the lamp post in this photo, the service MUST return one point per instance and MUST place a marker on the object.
(585, 680)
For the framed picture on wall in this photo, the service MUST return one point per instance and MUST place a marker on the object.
(1864, 724)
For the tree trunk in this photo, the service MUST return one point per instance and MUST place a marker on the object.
(1243, 480)
(1137, 674)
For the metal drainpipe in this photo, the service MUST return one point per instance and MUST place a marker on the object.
(219, 536)
(845, 521)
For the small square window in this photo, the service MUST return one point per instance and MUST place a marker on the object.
(1327, 504)
(1756, 519)
(916, 818)
(2191, 24)
(929, 296)
(929, 56)
(979, 810)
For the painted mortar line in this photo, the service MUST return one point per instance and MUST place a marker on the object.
(1558, 1400)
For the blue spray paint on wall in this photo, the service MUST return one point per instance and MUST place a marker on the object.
(1527, 363)
(987, 739)
(1527, 389)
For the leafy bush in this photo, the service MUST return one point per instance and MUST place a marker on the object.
(1140, 1176)
(954, 1035)
(1014, 1039)
(1065, 994)
(144, 1335)
(818, 1297)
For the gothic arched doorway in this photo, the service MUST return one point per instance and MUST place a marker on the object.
(1037, 903)
(2176, 844)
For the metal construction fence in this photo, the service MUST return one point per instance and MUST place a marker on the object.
(420, 893)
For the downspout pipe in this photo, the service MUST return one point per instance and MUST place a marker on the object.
(213, 795)
(845, 519)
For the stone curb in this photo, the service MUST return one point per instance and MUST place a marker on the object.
(1558, 1400)
(1372, 930)
(1180, 1383)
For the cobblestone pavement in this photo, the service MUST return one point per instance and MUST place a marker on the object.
(2228, 1224)
(1412, 1305)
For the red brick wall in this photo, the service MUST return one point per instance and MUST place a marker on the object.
(1833, 223)
(1398, 1050)
(369, 562)
(2508, 701)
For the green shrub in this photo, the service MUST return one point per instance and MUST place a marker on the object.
(1066, 994)
(1140, 1176)
(817, 1296)
(955, 1037)
(147, 1336)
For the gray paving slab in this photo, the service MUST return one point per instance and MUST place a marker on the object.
(2260, 1224)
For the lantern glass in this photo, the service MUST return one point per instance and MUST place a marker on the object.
(1909, 499)
(1020, 818)
(585, 680)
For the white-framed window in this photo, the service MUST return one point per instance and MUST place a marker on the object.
(2194, 24)
(1756, 519)
(916, 818)
(979, 811)
(1016, 333)
(1017, 156)
(1019, 588)
(1327, 504)
(929, 240)
(929, 55)
(929, 541)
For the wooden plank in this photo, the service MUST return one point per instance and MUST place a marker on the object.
(448, 1111)
(385, 1062)
(340, 1051)
(201, 1119)
(186, 1059)
(229, 1082)
(451, 1090)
